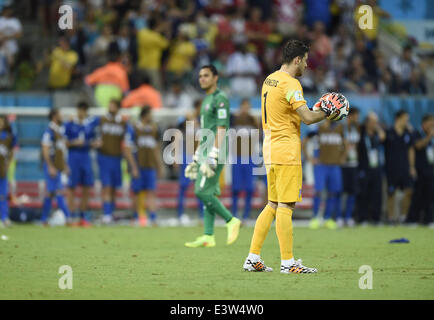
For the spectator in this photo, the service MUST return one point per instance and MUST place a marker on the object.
(257, 31)
(368, 58)
(349, 168)
(288, 15)
(110, 81)
(339, 60)
(416, 84)
(62, 63)
(238, 24)
(10, 30)
(422, 204)
(100, 47)
(181, 55)
(400, 165)
(321, 47)
(6, 61)
(370, 174)
(356, 79)
(386, 83)
(342, 39)
(318, 10)
(151, 42)
(25, 70)
(403, 66)
(178, 99)
(243, 67)
(378, 13)
(143, 95)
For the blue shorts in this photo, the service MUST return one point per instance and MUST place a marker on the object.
(327, 176)
(146, 181)
(110, 172)
(53, 184)
(81, 169)
(3, 187)
(242, 176)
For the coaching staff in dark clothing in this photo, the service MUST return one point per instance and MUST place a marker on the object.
(370, 177)
(421, 209)
(400, 165)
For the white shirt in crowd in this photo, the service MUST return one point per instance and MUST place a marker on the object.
(243, 86)
(9, 27)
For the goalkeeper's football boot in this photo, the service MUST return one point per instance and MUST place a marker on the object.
(330, 224)
(233, 230)
(256, 266)
(297, 267)
(202, 241)
(314, 223)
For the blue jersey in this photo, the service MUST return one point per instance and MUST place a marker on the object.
(84, 131)
(54, 138)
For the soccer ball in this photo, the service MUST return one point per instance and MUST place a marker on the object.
(339, 103)
(57, 218)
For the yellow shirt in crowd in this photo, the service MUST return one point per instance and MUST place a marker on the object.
(151, 45)
(62, 64)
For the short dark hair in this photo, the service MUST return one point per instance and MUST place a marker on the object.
(354, 110)
(82, 105)
(400, 113)
(212, 68)
(145, 111)
(52, 113)
(293, 49)
(117, 102)
(427, 117)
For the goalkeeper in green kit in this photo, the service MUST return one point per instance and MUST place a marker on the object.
(206, 167)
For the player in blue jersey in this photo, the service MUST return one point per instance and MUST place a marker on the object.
(55, 165)
(78, 140)
(7, 145)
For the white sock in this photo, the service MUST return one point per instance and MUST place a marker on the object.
(254, 257)
(288, 262)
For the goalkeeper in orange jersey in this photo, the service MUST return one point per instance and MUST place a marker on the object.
(283, 110)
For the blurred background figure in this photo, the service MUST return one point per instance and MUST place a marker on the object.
(7, 144)
(78, 140)
(350, 171)
(143, 154)
(143, 95)
(243, 67)
(55, 164)
(400, 166)
(421, 209)
(369, 151)
(110, 81)
(328, 174)
(242, 170)
(188, 128)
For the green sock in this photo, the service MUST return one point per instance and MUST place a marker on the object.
(208, 221)
(214, 205)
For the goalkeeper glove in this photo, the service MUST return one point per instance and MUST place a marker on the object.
(208, 167)
(190, 171)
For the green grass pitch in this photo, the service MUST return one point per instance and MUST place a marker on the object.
(131, 263)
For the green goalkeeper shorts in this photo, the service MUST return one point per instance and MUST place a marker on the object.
(208, 186)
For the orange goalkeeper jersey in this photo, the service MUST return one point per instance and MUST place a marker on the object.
(281, 96)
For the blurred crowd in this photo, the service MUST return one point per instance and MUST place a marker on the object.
(168, 40)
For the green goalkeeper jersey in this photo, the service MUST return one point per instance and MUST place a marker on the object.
(214, 113)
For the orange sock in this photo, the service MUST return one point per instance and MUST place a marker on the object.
(284, 232)
(262, 226)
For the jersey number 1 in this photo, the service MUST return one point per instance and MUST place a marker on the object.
(265, 107)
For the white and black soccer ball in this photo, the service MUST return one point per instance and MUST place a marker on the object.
(341, 106)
